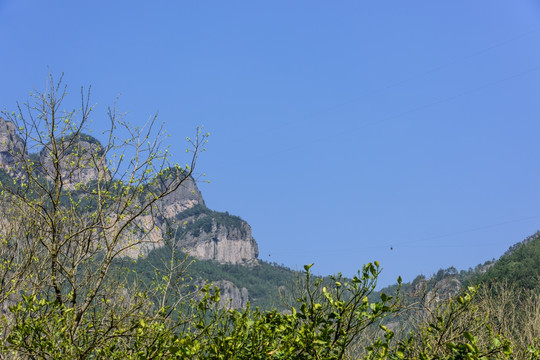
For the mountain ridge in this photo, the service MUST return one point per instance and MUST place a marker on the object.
(83, 162)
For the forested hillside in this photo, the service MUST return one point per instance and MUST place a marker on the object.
(268, 285)
(519, 266)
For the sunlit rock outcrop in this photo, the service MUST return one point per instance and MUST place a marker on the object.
(182, 214)
(81, 160)
(231, 244)
(11, 148)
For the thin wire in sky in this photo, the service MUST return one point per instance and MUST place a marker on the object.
(351, 130)
(396, 245)
(404, 81)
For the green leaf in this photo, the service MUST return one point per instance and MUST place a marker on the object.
(469, 336)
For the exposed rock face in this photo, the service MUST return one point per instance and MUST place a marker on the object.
(148, 237)
(225, 244)
(186, 196)
(227, 240)
(231, 297)
(11, 147)
(82, 161)
(224, 238)
(8, 163)
(10, 141)
(443, 290)
(154, 228)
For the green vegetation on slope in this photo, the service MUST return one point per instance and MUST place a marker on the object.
(199, 219)
(520, 266)
(264, 281)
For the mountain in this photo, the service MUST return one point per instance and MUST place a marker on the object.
(220, 246)
(202, 233)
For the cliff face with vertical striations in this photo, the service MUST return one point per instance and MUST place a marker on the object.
(223, 243)
(83, 161)
(11, 148)
(185, 197)
(231, 297)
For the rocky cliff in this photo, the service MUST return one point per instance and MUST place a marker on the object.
(198, 231)
(212, 235)
(231, 296)
(185, 197)
(225, 244)
(11, 148)
(83, 160)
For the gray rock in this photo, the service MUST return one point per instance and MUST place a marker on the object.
(444, 289)
(12, 148)
(81, 160)
(224, 244)
(184, 197)
(231, 297)
(10, 141)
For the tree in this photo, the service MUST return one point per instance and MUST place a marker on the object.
(71, 207)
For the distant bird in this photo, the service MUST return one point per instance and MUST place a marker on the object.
(391, 248)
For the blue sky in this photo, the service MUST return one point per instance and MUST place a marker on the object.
(343, 132)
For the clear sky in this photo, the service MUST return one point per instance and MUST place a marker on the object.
(342, 131)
